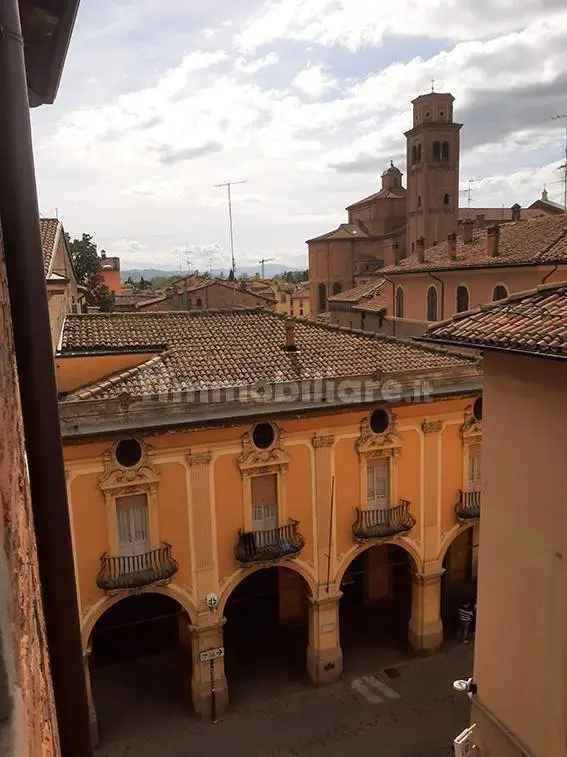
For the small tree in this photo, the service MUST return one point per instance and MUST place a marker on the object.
(87, 267)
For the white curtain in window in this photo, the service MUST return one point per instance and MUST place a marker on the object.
(378, 483)
(133, 533)
(264, 502)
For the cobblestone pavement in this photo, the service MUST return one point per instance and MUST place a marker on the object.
(410, 711)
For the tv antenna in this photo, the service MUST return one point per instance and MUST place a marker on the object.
(468, 191)
(563, 168)
(262, 262)
(228, 185)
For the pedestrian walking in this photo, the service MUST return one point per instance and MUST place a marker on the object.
(465, 616)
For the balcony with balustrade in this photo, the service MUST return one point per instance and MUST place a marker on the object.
(136, 571)
(383, 522)
(269, 545)
(468, 505)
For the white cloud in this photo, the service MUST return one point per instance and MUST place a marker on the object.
(342, 22)
(246, 66)
(314, 81)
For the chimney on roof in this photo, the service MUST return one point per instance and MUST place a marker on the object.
(516, 212)
(468, 226)
(452, 241)
(290, 344)
(544, 195)
(420, 249)
(493, 241)
(103, 253)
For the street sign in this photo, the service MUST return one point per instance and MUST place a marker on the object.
(211, 654)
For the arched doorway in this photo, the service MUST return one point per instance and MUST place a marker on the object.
(140, 665)
(459, 577)
(375, 608)
(266, 633)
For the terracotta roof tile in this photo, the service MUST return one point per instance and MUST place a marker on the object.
(534, 322)
(344, 231)
(358, 292)
(537, 241)
(227, 349)
(501, 215)
(48, 228)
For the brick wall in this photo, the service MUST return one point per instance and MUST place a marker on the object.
(27, 716)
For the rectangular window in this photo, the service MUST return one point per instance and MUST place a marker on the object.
(132, 515)
(474, 468)
(378, 484)
(264, 502)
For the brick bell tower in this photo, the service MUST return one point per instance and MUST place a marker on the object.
(432, 170)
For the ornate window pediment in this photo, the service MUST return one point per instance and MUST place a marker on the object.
(118, 480)
(471, 430)
(253, 461)
(370, 444)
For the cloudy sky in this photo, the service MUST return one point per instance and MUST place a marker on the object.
(305, 99)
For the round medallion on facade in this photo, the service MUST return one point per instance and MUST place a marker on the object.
(263, 435)
(379, 421)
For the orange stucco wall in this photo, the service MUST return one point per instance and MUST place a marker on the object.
(520, 663)
(75, 372)
(480, 283)
(111, 279)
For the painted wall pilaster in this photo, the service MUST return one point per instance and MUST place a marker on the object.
(431, 486)
(202, 522)
(326, 527)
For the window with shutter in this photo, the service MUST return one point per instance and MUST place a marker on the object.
(474, 468)
(264, 502)
(132, 514)
(378, 494)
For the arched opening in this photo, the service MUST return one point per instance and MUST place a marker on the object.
(140, 664)
(322, 297)
(375, 608)
(459, 578)
(266, 633)
(462, 299)
(432, 304)
(399, 302)
(437, 151)
(445, 151)
(500, 293)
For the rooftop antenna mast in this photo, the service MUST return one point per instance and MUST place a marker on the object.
(262, 262)
(563, 168)
(228, 185)
(468, 191)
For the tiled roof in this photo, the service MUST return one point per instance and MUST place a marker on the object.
(539, 241)
(344, 231)
(358, 292)
(227, 349)
(494, 215)
(377, 302)
(383, 194)
(48, 229)
(533, 322)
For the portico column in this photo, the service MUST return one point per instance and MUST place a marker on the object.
(202, 523)
(326, 564)
(205, 637)
(426, 627)
(324, 653)
(93, 719)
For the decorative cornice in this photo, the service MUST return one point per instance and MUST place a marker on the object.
(431, 427)
(326, 440)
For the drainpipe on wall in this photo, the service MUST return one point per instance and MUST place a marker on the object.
(32, 337)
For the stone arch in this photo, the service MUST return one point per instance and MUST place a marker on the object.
(96, 612)
(407, 545)
(450, 538)
(243, 573)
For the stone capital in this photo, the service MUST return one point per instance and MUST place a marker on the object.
(431, 427)
(199, 458)
(326, 440)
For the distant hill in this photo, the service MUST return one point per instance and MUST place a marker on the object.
(272, 269)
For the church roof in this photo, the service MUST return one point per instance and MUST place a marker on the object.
(539, 241)
(344, 231)
(384, 194)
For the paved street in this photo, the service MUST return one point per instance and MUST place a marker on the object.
(405, 707)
